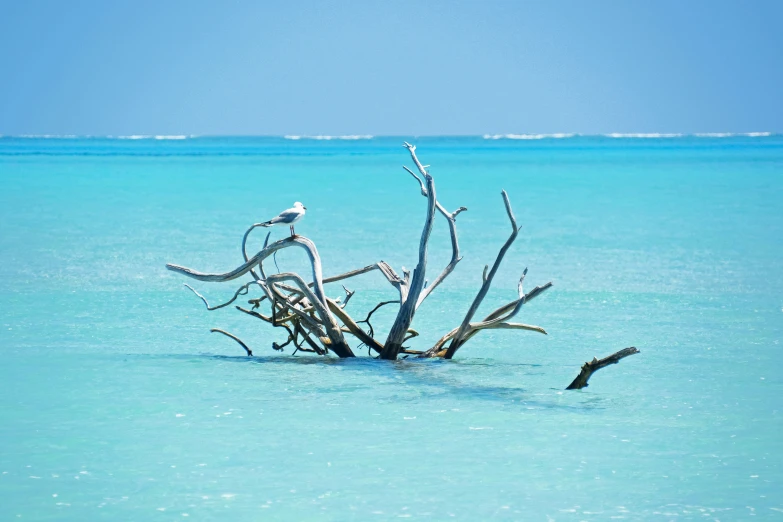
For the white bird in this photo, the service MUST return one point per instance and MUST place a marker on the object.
(288, 217)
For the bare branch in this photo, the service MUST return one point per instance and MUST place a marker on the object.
(366, 320)
(458, 338)
(510, 306)
(244, 250)
(306, 336)
(421, 183)
(337, 342)
(384, 267)
(242, 291)
(437, 349)
(354, 328)
(348, 295)
(518, 326)
(410, 335)
(255, 314)
(234, 337)
(352, 273)
(514, 311)
(593, 366)
(302, 314)
(393, 343)
(455, 257)
(450, 218)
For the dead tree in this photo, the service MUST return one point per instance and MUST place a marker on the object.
(318, 323)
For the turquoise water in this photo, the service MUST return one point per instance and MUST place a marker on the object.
(116, 403)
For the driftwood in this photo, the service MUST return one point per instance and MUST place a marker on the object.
(593, 366)
(317, 323)
(234, 337)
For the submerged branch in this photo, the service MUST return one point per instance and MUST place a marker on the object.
(593, 366)
(234, 337)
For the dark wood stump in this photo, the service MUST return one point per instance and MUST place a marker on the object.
(589, 368)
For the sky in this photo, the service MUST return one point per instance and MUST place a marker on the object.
(389, 67)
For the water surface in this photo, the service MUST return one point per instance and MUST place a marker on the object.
(117, 403)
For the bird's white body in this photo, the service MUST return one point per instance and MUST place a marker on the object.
(288, 217)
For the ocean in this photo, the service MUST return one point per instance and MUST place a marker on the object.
(117, 403)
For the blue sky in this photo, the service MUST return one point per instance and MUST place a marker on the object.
(366, 67)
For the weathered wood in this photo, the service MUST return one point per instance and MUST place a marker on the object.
(241, 291)
(510, 306)
(337, 343)
(234, 337)
(458, 338)
(589, 368)
(311, 318)
(437, 349)
(244, 249)
(354, 328)
(393, 344)
(495, 320)
(451, 218)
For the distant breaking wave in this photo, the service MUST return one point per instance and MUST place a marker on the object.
(732, 134)
(155, 137)
(346, 137)
(646, 135)
(696, 135)
(526, 136)
(109, 137)
(49, 136)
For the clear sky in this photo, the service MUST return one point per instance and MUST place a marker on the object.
(109, 67)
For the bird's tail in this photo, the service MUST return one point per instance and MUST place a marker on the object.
(266, 224)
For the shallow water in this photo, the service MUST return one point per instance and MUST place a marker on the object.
(117, 403)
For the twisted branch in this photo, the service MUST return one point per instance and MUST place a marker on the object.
(336, 341)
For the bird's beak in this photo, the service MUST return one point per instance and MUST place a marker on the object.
(304, 207)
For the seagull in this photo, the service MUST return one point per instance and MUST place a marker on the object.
(288, 217)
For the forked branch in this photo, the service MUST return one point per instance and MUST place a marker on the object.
(317, 323)
(336, 341)
(462, 331)
(409, 299)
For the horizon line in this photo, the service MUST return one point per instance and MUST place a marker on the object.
(357, 137)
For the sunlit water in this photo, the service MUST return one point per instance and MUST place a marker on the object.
(116, 403)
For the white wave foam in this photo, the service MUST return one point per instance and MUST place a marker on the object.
(732, 134)
(326, 137)
(527, 136)
(152, 137)
(50, 136)
(644, 135)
